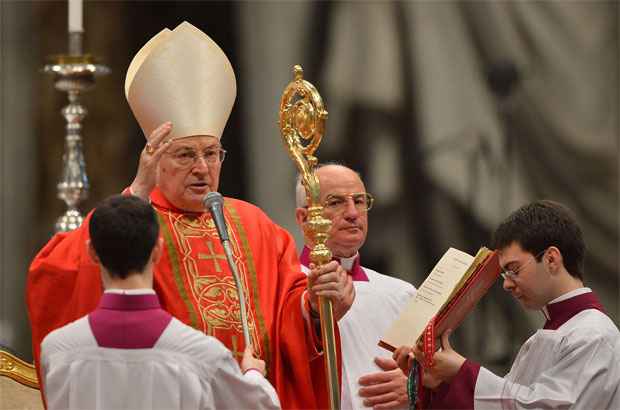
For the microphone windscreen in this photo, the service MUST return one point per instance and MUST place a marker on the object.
(213, 198)
(214, 202)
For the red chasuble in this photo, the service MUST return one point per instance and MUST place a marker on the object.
(194, 283)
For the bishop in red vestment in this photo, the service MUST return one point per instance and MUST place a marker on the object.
(179, 165)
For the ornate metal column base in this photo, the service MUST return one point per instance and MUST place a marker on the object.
(73, 74)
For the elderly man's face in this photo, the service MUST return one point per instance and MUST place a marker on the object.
(189, 170)
(349, 222)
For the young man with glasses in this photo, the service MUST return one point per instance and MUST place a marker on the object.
(370, 378)
(573, 362)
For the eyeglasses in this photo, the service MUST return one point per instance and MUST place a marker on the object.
(337, 203)
(513, 273)
(188, 157)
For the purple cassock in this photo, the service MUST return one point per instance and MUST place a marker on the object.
(126, 321)
(356, 271)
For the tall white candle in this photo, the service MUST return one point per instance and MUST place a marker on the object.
(75, 16)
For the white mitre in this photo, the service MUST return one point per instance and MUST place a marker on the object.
(181, 76)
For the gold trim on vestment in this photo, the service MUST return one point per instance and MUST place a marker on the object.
(212, 290)
(253, 279)
(174, 264)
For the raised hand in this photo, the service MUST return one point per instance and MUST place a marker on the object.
(386, 389)
(145, 179)
(332, 282)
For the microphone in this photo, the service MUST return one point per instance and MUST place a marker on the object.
(214, 202)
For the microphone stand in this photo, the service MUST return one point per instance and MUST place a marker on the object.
(240, 292)
(214, 202)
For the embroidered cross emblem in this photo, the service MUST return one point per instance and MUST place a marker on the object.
(212, 255)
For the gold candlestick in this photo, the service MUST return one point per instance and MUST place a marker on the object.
(302, 117)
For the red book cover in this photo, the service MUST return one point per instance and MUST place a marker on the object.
(451, 316)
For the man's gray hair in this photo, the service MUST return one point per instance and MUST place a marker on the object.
(300, 191)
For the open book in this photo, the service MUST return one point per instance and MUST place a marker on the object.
(449, 293)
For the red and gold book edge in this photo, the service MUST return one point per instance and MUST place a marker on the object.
(464, 301)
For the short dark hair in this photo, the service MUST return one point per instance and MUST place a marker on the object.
(541, 224)
(123, 231)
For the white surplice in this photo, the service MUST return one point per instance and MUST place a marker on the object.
(576, 366)
(378, 302)
(184, 370)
